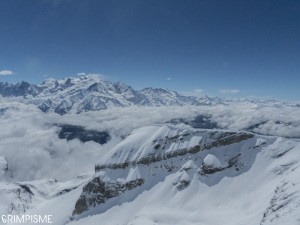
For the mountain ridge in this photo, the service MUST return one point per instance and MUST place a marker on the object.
(90, 93)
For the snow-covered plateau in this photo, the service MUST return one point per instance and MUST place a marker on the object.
(92, 152)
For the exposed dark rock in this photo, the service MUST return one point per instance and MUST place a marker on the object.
(23, 199)
(45, 106)
(150, 159)
(62, 108)
(97, 192)
(206, 170)
(285, 167)
(282, 197)
(222, 139)
(157, 146)
(194, 149)
(71, 132)
(228, 138)
(182, 184)
(64, 191)
(26, 188)
(233, 162)
(281, 153)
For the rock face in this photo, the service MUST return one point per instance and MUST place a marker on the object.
(151, 153)
(18, 198)
(20, 89)
(162, 147)
(98, 192)
(284, 195)
(210, 165)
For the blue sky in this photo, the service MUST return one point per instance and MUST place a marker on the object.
(227, 48)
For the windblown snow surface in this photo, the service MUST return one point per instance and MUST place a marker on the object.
(154, 171)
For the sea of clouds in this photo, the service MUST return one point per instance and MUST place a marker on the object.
(29, 138)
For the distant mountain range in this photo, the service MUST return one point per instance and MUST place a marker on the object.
(88, 93)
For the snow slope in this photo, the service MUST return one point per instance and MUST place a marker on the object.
(250, 179)
(235, 163)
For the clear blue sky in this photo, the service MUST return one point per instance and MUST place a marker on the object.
(224, 47)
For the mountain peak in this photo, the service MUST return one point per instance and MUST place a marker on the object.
(89, 93)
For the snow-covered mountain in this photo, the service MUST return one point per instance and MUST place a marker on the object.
(166, 174)
(89, 93)
(190, 161)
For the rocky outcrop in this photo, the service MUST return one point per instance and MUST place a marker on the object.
(97, 192)
(152, 153)
(285, 200)
(207, 169)
(17, 198)
(214, 139)
(227, 138)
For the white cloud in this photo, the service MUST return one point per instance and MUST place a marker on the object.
(195, 92)
(33, 149)
(229, 91)
(169, 78)
(198, 90)
(102, 76)
(6, 72)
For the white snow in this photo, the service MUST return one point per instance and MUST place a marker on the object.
(133, 174)
(188, 165)
(3, 165)
(231, 200)
(265, 180)
(212, 161)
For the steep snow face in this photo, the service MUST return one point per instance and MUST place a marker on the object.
(254, 181)
(159, 97)
(156, 143)
(20, 197)
(150, 154)
(207, 177)
(254, 178)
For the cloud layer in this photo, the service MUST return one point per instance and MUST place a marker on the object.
(6, 72)
(229, 91)
(31, 145)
